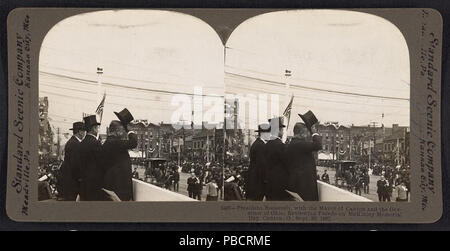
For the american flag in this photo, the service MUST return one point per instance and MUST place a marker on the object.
(287, 112)
(99, 110)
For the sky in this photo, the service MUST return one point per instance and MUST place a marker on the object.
(347, 67)
(142, 52)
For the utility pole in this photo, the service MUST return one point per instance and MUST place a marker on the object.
(371, 125)
(159, 140)
(207, 146)
(334, 145)
(58, 146)
(350, 143)
(397, 155)
(214, 141)
(179, 151)
(248, 143)
(235, 117)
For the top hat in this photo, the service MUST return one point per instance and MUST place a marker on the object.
(309, 118)
(280, 122)
(264, 127)
(124, 116)
(77, 126)
(90, 121)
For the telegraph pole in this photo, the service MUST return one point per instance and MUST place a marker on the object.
(159, 140)
(373, 125)
(58, 146)
(350, 143)
(179, 151)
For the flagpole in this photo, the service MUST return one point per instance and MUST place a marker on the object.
(99, 82)
(287, 73)
(99, 87)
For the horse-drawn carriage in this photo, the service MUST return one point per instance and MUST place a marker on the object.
(156, 170)
(345, 169)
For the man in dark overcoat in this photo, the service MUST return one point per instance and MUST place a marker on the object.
(69, 177)
(91, 163)
(256, 178)
(302, 164)
(277, 171)
(192, 185)
(117, 164)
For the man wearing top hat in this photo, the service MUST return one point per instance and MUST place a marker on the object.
(257, 172)
(68, 182)
(277, 172)
(91, 166)
(300, 159)
(118, 171)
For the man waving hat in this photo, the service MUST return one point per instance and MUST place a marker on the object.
(118, 176)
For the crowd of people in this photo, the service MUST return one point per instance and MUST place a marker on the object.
(393, 182)
(205, 177)
(277, 168)
(277, 171)
(274, 171)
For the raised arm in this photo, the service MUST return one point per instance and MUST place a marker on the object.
(130, 143)
(312, 146)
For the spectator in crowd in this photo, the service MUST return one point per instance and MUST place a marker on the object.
(382, 189)
(401, 192)
(358, 181)
(231, 189)
(192, 185)
(366, 182)
(325, 177)
(211, 190)
(199, 185)
(176, 180)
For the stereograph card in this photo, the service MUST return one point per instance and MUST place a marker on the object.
(224, 115)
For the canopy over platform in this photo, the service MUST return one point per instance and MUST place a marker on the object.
(325, 156)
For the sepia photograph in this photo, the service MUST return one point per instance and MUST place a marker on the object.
(298, 105)
(224, 115)
(117, 94)
(320, 104)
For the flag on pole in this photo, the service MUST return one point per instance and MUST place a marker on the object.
(99, 110)
(287, 111)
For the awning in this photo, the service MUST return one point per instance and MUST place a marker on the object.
(135, 154)
(325, 156)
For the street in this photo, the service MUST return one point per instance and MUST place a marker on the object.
(372, 186)
(331, 172)
(182, 184)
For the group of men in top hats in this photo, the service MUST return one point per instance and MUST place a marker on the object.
(93, 171)
(277, 168)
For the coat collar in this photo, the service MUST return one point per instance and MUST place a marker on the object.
(264, 141)
(79, 140)
(95, 137)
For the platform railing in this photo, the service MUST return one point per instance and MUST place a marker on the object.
(143, 191)
(147, 192)
(331, 193)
